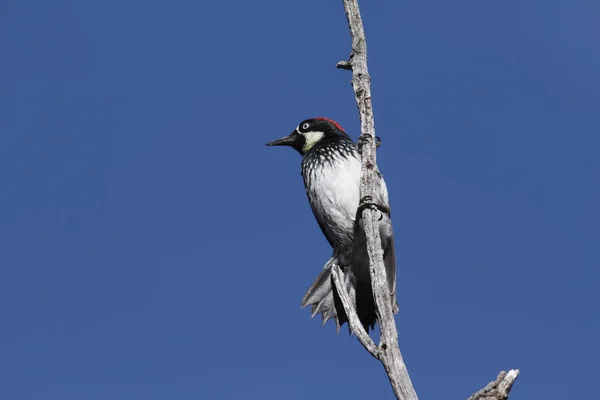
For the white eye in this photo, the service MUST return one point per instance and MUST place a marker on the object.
(305, 126)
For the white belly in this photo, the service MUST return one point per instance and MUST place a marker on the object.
(334, 191)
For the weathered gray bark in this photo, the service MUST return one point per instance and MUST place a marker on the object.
(388, 350)
(498, 389)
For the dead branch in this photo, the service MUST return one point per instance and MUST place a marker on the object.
(388, 350)
(498, 389)
(355, 325)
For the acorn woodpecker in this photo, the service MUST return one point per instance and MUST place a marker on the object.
(331, 172)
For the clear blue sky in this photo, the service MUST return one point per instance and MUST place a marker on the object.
(151, 246)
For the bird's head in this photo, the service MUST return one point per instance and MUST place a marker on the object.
(309, 133)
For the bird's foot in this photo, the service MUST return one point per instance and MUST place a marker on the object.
(362, 140)
(367, 202)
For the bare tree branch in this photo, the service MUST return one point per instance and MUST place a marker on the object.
(353, 321)
(388, 351)
(498, 389)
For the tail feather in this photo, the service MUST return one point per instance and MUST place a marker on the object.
(321, 307)
(321, 297)
(325, 300)
(319, 289)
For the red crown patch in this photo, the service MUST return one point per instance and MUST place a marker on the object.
(332, 121)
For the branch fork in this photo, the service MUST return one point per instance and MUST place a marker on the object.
(388, 351)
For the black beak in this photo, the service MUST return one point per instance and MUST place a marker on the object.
(289, 140)
(294, 140)
(284, 141)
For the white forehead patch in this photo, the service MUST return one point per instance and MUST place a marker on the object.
(311, 138)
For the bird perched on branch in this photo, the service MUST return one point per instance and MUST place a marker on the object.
(331, 172)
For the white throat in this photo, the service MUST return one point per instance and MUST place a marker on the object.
(311, 138)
